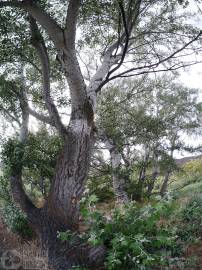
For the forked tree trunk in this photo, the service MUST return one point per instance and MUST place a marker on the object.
(61, 209)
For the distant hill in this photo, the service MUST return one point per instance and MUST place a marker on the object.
(182, 161)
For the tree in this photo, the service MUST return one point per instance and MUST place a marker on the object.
(152, 120)
(51, 35)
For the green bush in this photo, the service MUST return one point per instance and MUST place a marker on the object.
(16, 220)
(191, 228)
(146, 237)
(101, 186)
(134, 237)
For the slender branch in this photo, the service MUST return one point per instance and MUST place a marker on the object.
(19, 195)
(43, 118)
(12, 117)
(128, 26)
(39, 44)
(153, 65)
(127, 36)
(172, 68)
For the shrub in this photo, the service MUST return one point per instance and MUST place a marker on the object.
(16, 220)
(101, 187)
(135, 237)
(192, 219)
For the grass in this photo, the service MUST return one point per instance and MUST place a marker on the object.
(191, 189)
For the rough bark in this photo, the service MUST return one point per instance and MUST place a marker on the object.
(61, 210)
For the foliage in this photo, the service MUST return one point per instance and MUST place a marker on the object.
(192, 219)
(146, 128)
(37, 158)
(16, 220)
(12, 156)
(188, 174)
(4, 190)
(134, 236)
(101, 186)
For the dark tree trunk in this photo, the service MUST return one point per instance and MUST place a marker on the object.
(155, 173)
(61, 210)
(151, 184)
(165, 183)
(142, 177)
(64, 255)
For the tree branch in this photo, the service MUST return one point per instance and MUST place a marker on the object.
(127, 29)
(103, 72)
(9, 114)
(126, 73)
(39, 44)
(97, 79)
(19, 195)
(41, 117)
(71, 20)
(44, 19)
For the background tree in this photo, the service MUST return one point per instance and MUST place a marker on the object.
(142, 130)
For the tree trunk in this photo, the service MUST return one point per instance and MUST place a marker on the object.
(71, 172)
(64, 255)
(169, 170)
(61, 210)
(165, 183)
(119, 183)
(142, 176)
(155, 173)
